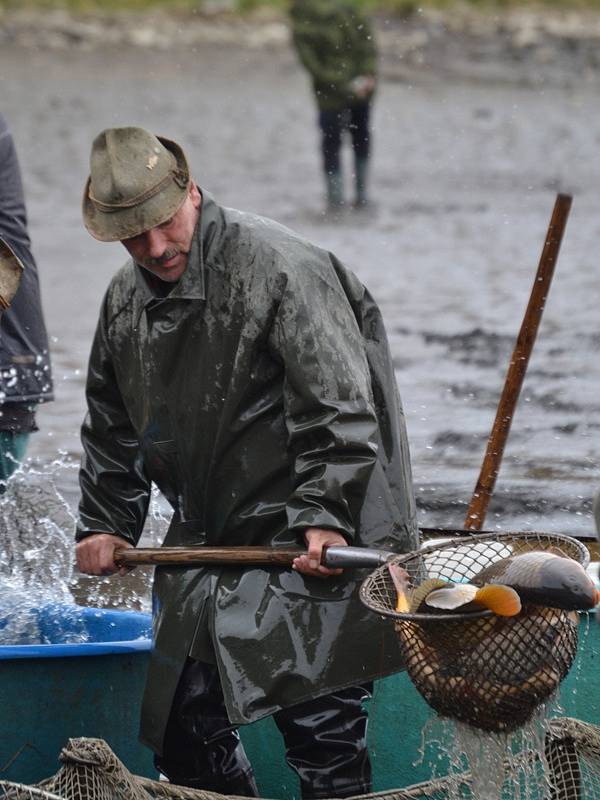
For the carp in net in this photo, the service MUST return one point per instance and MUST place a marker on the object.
(488, 671)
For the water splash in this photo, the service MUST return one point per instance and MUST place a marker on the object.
(474, 764)
(36, 552)
(133, 590)
(37, 558)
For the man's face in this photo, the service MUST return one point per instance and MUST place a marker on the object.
(163, 250)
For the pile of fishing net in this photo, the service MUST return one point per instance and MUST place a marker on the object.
(569, 769)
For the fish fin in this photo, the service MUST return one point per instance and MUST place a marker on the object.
(400, 579)
(402, 604)
(502, 600)
(452, 597)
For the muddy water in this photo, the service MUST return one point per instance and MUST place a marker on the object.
(464, 180)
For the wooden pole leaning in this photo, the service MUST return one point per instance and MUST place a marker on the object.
(518, 365)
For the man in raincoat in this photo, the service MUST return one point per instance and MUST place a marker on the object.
(246, 373)
(336, 45)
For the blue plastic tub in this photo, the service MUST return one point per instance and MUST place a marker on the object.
(102, 631)
(58, 689)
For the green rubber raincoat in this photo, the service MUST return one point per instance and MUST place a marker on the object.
(335, 43)
(259, 396)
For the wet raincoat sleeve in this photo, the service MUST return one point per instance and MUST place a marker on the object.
(329, 414)
(115, 490)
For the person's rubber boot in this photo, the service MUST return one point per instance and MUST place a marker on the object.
(361, 167)
(335, 190)
(221, 769)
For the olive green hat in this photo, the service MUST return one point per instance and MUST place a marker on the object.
(137, 181)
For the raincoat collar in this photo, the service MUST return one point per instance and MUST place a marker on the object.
(191, 285)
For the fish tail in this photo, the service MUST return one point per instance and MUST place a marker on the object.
(502, 600)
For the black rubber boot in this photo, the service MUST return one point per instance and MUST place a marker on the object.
(326, 746)
(221, 772)
(202, 749)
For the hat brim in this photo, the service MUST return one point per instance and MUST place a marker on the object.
(125, 223)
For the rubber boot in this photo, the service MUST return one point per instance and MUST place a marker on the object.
(361, 166)
(221, 766)
(326, 743)
(335, 190)
(201, 748)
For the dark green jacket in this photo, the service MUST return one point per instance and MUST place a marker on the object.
(335, 43)
(25, 374)
(260, 397)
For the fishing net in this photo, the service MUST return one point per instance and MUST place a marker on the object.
(569, 769)
(488, 671)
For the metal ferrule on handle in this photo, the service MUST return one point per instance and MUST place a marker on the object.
(349, 557)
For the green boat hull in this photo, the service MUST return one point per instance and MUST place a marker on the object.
(47, 700)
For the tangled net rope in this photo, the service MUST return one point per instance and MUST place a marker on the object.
(91, 771)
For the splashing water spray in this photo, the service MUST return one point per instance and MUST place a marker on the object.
(36, 556)
(37, 535)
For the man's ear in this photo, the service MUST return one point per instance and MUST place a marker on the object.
(195, 195)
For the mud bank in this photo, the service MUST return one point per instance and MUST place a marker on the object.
(518, 45)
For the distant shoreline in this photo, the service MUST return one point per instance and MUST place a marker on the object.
(522, 45)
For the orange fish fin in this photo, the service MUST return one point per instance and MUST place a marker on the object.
(502, 600)
(402, 604)
(400, 579)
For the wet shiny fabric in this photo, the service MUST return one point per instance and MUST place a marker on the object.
(325, 741)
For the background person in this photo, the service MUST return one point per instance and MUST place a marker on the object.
(25, 374)
(247, 373)
(335, 43)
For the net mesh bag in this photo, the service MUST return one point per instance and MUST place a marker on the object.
(567, 767)
(488, 671)
(91, 771)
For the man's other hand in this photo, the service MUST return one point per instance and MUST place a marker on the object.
(309, 563)
(96, 554)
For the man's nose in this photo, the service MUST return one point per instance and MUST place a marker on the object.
(155, 242)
